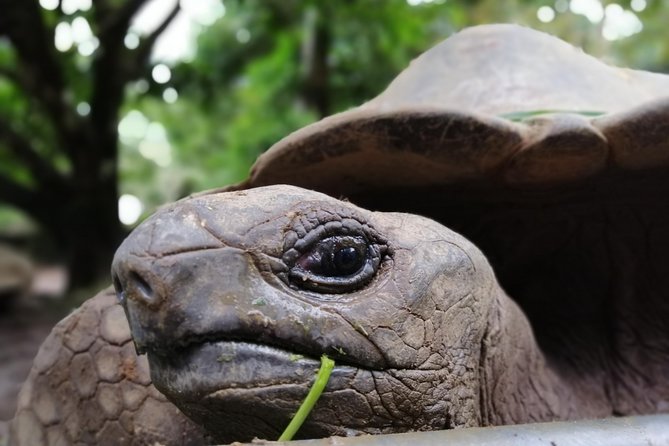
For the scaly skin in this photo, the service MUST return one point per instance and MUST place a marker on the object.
(87, 386)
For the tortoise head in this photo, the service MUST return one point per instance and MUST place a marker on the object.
(235, 296)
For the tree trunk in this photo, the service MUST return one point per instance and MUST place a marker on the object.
(83, 216)
(86, 228)
(92, 233)
(315, 50)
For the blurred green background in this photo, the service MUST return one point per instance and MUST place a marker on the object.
(109, 108)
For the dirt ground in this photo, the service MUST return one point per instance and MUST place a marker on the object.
(24, 324)
(22, 330)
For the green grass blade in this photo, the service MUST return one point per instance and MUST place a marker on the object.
(307, 405)
(520, 116)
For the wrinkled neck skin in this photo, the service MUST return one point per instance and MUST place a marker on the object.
(517, 384)
(520, 384)
(588, 268)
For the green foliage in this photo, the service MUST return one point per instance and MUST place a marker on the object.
(256, 124)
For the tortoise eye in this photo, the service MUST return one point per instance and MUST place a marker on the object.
(336, 264)
(347, 260)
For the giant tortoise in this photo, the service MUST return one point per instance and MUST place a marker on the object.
(547, 299)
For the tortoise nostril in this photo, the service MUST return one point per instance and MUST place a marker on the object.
(142, 286)
(118, 287)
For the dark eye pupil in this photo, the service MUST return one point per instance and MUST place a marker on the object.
(336, 264)
(347, 260)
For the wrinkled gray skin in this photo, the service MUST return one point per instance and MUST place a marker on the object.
(431, 342)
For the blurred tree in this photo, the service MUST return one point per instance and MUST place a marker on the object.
(58, 124)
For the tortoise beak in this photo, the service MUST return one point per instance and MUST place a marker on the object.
(166, 299)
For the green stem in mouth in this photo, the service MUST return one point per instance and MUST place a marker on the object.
(307, 405)
(519, 116)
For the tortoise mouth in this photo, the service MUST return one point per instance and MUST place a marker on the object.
(240, 390)
(211, 367)
(230, 344)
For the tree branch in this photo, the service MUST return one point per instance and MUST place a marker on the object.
(19, 196)
(42, 171)
(111, 23)
(40, 74)
(144, 49)
(114, 68)
(316, 47)
(22, 22)
(109, 75)
(12, 75)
